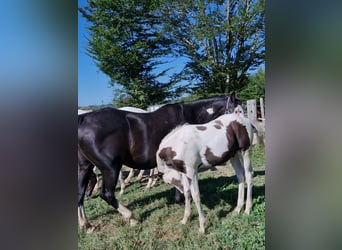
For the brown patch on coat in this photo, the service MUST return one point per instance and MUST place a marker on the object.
(201, 127)
(237, 136)
(167, 155)
(177, 183)
(219, 123)
(238, 139)
(214, 160)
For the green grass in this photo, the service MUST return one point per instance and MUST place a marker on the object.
(160, 226)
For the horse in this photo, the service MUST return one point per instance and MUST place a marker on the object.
(131, 172)
(94, 184)
(185, 148)
(110, 137)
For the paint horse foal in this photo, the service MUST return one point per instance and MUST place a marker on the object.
(182, 151)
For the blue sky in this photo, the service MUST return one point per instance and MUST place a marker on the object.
(93, 85)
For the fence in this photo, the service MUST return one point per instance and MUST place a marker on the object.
(257, 117)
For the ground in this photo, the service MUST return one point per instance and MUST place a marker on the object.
(160, 218)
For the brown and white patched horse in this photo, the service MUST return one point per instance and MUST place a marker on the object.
(109, 138)
(182, 151)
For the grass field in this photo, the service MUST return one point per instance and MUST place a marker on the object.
(160, 226)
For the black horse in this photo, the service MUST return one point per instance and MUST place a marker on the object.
(110, 137)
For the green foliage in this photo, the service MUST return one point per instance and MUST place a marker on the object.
(255, 87)
(222, 39)
(160, 218)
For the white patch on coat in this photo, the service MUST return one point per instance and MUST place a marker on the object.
(81, 111)
(133, 109)
(210, 111)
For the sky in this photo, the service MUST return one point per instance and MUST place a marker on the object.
(93, 85)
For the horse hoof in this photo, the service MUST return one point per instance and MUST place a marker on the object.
(247, 212)
(202, 231)
(236, 210)
(90, 230)
(133, 222)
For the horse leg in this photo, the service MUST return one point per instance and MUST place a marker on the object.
(187, 209)
(140, 176)
(249, 179)
(179, 198)
(152, 179)
(110, 178)
(130, 175)
(197, 200)
(91, 185)
(84, 174)
(155, 178)
(122, 184)
(98, 183)
(241, 180)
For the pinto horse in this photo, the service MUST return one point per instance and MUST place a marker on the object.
(110, 137)
(183, 150)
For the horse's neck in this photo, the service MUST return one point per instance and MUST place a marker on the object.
(199, 113)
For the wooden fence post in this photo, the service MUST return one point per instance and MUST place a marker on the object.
(262, 108)
(251, 110)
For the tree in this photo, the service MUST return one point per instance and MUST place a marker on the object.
(223, 40)
(255, 87)
(127, 43)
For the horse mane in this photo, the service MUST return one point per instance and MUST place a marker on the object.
(203, 101)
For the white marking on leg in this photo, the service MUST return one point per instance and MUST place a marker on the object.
(196, 198)
(154, 173)
(249, 180)
(235, 161)
(150, 180)
(127, 214)
(82, 218)
(140, 175)
(122, 184)
(187, 209)
(130, 175)
(97, 185)
(210, 111)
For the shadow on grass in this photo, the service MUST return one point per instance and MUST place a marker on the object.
(259, 172)
(213, 191)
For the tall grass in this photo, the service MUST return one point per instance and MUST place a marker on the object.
(160, 226)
